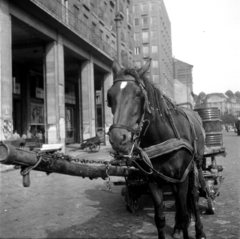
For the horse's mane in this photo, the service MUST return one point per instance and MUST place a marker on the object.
(159, 103)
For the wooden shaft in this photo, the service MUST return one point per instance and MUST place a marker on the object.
(14, 156)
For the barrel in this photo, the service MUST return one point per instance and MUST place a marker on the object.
(212, 125)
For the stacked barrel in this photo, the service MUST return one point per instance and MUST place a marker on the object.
(212, 125)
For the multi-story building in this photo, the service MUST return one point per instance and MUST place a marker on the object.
(152, 38)
(183, 73)
(55, 61)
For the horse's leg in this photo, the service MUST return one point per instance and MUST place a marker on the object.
(181, 198)
(194, 197)
(177, 231)
(157, 196)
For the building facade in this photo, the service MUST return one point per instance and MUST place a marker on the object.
(226, 105)
(56, 59)
(152, 38)
(183, 74)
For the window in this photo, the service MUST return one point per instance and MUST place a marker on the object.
(85, 19)
(144, 8)
(145, 51)
(136, 21)
(94, 27)
(145, 37)
(153, 6)
(155, 79)
(155, 64)
(137, 50)
(154, 34)
(154, 49)
(154, 21)
(145, 21)
(108, 39)
(101, 33)
(65, 9)
(136, 8)
(136, 36)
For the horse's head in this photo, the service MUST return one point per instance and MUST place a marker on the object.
(128, 101)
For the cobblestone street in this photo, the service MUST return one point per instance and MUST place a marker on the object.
(59, 206)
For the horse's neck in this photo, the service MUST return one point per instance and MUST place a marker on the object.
(157, 132)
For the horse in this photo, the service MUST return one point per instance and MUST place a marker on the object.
(144, 118)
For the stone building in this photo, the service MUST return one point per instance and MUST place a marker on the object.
(152, 38)
(55, 61)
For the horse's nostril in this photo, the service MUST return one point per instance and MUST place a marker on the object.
(124, 139)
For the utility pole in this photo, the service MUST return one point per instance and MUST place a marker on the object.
(118, 20)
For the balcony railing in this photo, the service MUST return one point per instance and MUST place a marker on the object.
(67, 18)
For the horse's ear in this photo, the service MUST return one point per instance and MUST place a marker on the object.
(145, 67)
(116, 68)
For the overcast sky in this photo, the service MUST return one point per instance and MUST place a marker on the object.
(206, 34)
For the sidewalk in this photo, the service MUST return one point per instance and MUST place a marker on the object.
(102, 154)
(74, 151)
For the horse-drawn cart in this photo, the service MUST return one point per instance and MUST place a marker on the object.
(93, 144)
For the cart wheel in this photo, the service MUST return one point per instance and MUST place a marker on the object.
(131, 202)
(94, 147)
(211, 205)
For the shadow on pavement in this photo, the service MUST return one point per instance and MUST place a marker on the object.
(113, 220)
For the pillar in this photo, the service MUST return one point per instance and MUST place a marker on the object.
(6, 124)
(108, 81)
(88, 99)
(55, 101)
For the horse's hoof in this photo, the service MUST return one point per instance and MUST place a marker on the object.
(201, 236)
(177, 233)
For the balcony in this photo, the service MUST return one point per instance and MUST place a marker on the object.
(71, 21)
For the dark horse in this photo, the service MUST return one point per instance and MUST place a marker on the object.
(144, 117)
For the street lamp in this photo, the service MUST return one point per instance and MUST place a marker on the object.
(118, 19)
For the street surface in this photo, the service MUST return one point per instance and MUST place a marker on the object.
(60, 206)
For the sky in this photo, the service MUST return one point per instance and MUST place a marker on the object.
(206, 34)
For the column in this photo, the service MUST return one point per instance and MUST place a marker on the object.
(6, 125)
(88, 99)
(55, 102)
(108, 81)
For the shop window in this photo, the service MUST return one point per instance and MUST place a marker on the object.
(36, 85)
(70, 96)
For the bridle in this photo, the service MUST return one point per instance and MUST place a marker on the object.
(136, 133)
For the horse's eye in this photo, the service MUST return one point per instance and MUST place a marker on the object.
(138, 94)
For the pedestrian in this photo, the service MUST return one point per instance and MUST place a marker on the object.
(15, 135)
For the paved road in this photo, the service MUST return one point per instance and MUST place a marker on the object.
(59, 206)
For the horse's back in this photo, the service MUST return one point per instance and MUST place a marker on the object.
(198, 130)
